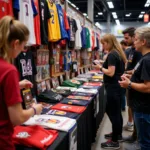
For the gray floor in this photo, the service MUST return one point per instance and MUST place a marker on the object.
(105, 127)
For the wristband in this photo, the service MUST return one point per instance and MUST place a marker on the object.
(34, 110)
(129, 86)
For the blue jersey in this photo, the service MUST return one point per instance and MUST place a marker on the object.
(64, 34)
(83, 37)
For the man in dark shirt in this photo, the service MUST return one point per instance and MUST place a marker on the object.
(139, 86)
(133, 58)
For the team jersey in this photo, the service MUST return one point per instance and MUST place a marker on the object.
(53, 24)
(75, 102)
(69, 108)
(61, 113)
(27, 10)
(64, 34)
(34, 136)
(78, 43)
(88, 44)
(44, 16)
(93, 40)
(53, 122)
(83, 37)
(37, 24)
(6, 8)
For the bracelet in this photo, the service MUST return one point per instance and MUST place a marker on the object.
(129, 86)
(34, 110)
(101, 69)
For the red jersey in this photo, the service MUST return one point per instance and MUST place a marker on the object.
(6, 8)
(37, 24)
(34, 136)
(9, 95)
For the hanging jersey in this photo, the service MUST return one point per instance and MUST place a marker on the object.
(64, 34)
(95, 44)
(53, 24)
(34, 136)
(37, 24)
(90, 49)
(93, 40)
(88, 44)
(26, 12)
(44, 16)
(78, 43)
(6, 8)
(83, 37)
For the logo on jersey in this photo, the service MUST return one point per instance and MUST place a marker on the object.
(26, 67)
(23, 135)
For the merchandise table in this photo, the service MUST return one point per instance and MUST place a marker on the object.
(87, 125)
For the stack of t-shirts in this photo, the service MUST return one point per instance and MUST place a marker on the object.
(86, 98)
(49, 97)
(93, 84)
(87, 76)
(34, 136)
(98, 77)
(93, 91)
(72, 89)
(51, 121)
(46, 107)
(89, 87)
(83, 94)
(69, 108)
(62, 113)
(75, 102)
(71, 83)
(64, 93)
(81, 79)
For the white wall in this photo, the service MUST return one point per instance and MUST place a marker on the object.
(117, 30)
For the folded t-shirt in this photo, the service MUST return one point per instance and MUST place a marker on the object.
(34, 136)
(62, 113)
(53, 122)
(75, 102)
(69, 108)
(93, 91)
(87, 98)
(93, 84)
(83, 94)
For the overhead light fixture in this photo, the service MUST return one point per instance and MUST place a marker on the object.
(114, 15)
(100, 13)
(98, 25)
(84, 14)
(140, 16)
(142, 12)
(128, 15)
(74, 5)
(147, 4)
(117, 22)
(68, 1)
(77, 8)
(96, 16)
(110, 5)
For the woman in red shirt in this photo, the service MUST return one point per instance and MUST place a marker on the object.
(13, 37)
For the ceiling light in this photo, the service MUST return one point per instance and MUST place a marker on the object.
(84, 14)
(127, 15)
(77, 8)
(74, 5)
(96, 15)
(142, 12)
(140, 16)
(68, 1)
(110, 5)
(117, 22)
(114, 15)
(98, 25)
(100, 13)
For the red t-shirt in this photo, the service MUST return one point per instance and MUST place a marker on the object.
(37, 24)
(34, 136)
(9, 95)
(6, 8)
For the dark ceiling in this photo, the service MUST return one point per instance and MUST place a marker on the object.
(121, 7)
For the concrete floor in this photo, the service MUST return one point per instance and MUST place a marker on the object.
(105, 128)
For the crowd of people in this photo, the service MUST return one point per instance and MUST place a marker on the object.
(127, 78)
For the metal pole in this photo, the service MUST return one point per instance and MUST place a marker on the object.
(91, 10)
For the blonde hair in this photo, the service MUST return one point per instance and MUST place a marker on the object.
(144, 33)
(114, 45)
(10, 30)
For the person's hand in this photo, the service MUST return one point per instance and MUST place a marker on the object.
(125, 82)
(25, 84)
(97, 66)
(38, 108)
(127, 75)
